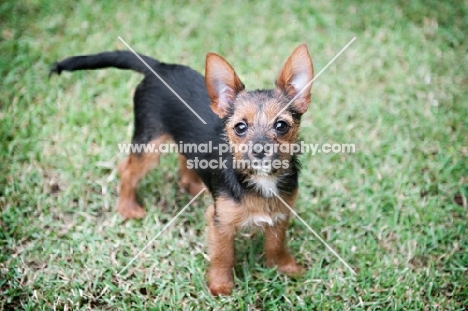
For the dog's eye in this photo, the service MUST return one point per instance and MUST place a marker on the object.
(281, 127)
(240, 128)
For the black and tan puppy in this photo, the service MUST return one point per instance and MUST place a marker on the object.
(243, 196)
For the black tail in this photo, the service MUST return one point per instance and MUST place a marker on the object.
(117, 59)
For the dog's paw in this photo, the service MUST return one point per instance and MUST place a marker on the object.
(131, 210)
(292, 269)
(221, 288)
(220, 281)
(287, 265)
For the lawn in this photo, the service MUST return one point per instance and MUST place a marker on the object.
(396, 210)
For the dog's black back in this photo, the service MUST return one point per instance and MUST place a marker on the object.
(153, 120)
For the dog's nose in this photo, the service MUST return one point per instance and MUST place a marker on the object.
(258, 150)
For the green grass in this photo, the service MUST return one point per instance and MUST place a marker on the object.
(396, 210)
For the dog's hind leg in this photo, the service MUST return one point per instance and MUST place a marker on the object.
(131, 170)
(189, 179)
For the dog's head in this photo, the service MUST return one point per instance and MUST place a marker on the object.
(261, 126)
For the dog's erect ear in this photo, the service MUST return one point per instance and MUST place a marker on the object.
(222, 83)
(295, 76)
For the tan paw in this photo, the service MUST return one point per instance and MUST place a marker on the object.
(286, 264)
(221, 288)
(131, 210)
(220, 281)
(292, 269)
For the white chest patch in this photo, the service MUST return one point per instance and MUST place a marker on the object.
(262, 220)
(264, 184)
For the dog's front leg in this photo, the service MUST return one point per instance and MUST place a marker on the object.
(221, 251)
(276, 251)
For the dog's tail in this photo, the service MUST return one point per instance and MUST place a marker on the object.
(118, 59)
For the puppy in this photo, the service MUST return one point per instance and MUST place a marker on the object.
(244, 195)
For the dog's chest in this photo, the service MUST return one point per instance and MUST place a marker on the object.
(262, 212)
(262, 220)
(266, 185)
